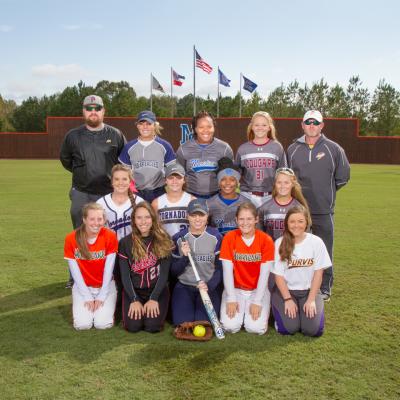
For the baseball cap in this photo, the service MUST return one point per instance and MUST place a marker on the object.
(228, 172)
(93, 100)
(313, 114)
(197, 206)
(148, 116)
(175, 168)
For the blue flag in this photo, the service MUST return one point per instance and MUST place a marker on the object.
(249, 85)
(223, 80)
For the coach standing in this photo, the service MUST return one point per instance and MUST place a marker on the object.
(89, 152)
(322, 168)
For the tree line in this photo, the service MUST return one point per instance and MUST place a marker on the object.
(377, 111)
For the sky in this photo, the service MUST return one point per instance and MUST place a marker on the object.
(48, 45)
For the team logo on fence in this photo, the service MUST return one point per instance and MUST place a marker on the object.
(186, 133)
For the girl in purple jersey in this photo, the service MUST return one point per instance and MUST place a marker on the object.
(259, 158)
(286, 194)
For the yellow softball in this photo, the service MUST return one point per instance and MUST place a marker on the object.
(199, 331)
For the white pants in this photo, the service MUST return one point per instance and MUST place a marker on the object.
(243, 317)
(102, 318)
(258, 201)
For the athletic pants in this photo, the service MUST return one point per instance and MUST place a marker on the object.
(147, 324)
(301, 323)
(78, 200)
(243, 317)
(102, 318)
(322, 226)
(150, 194)
(187, 305)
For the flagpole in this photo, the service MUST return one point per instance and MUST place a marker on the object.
(151, 92)
(218, 93)
(194, 80)
(172, 105)
(240, 99)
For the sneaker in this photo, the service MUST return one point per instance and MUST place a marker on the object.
(326, 297)
(69, 284)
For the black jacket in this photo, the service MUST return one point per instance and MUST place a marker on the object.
(90, 155)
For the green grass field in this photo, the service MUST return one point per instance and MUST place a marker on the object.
(42, 357)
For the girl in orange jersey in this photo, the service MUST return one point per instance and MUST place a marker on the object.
(247, 256)
(90, 251)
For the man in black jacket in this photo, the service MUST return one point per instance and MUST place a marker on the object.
(89, 152)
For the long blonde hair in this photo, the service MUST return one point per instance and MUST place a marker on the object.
(80, 233)
(296, 191)
(161, 242)
(271, 133)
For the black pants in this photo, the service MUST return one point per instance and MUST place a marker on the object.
(151, 325)
(322, 226)
(78, 200)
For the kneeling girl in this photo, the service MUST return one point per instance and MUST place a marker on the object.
(90, 251)
(144, 261)
(204, 243)
(247, 256)
(300, 259)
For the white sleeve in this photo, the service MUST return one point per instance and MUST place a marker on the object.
(262, 283)
(227, 268)
(322, 259)
(78, 280)
(107, 277)
(279, 266)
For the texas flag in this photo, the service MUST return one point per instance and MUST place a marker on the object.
(177, 79)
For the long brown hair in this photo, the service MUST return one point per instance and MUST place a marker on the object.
(287, 245)
(271, 133)
(247, 206)
(161, 242)
(120, 167)
(296, 191)
(80, 232)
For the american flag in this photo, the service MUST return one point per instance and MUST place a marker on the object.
(200, 63)
(177, 78)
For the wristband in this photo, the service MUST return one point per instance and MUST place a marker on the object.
(289, 298)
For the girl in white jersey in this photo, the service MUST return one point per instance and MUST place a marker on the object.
(172, 206)
(118, 205)
(259, 158)
(300, 259)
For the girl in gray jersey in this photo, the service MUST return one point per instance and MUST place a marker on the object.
(224, 204)
(259, 158)
(285, 195)
(200, 155)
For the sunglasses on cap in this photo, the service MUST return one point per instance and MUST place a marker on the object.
(312, 122)
(93, 108)
(289, 171)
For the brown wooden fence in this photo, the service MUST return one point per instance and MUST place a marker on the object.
(359, 149)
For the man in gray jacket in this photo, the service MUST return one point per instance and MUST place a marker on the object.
(322, 168)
